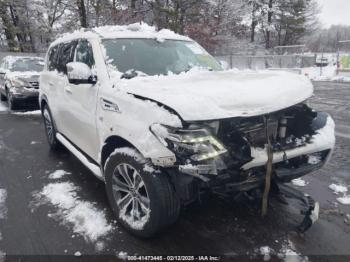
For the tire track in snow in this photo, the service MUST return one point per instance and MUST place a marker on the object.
(83, 217)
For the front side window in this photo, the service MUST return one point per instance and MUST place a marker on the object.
(66, 55)
(53, 56)
(84, 53)
(154, 57)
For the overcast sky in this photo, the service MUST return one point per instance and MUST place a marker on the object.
(335, 12)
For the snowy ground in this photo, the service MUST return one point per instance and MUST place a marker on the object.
(55, 206)
(328, 73)
(3, 107)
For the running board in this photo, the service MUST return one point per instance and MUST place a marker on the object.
(91, 166)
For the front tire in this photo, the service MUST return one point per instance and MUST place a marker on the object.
(50, 129)
(143, 201)
(12, 103)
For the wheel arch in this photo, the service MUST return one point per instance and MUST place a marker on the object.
(43, 101)
(112, 143)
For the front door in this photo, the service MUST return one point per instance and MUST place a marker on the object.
(80, 114)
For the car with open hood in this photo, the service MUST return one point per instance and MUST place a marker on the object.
(154, 116)
(19, 80)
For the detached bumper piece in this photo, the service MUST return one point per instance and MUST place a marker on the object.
(312, 208)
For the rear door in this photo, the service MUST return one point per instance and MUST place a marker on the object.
(81, 99)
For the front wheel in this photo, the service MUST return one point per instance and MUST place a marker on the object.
(11, 101)
(50, 129)
(143, 201)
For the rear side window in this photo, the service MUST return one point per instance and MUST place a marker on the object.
(66, 55)
(84, 53)
(52, 64)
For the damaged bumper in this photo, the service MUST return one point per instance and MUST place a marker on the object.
(312, 156)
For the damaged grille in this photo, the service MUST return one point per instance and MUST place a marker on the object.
(288, 128)
(255, 133)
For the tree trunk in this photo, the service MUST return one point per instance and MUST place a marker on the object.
(254, 24)
(82, 13)
(269, 21)
(8, 28)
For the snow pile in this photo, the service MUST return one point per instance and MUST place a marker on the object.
(3, 107)
(266, 252)
(83, 216)
(345, 200)
(338, 188)
(28, 113)
(299, 182)
(341, 189)
(315, 74)
(289, 254)
(122, 255)
(58, 174)
(328, 73)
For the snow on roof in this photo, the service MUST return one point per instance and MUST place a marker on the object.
(137, 30)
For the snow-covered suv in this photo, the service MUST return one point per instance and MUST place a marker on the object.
(154, 116)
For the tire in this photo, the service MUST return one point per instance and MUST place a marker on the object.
(3, 97)
(153, 199)
(50, 129)
(11, 102)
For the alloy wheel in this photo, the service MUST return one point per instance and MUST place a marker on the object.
(49, 126)
(131, 195)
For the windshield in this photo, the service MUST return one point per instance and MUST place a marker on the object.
(154, 57)
(27, 64)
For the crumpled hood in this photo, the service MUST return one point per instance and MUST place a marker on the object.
(202, 95)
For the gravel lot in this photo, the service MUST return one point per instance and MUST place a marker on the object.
(31, 226)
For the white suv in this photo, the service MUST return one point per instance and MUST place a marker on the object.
(154, 116)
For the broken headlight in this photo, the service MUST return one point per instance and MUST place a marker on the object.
(197, 145)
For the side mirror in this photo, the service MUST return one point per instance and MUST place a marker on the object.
(80, 73)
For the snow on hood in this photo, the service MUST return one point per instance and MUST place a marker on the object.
(25, 76)
(202, 95)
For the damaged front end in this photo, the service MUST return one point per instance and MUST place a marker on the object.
(232, 156)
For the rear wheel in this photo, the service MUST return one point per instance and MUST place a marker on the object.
(50, 129)
(143, 201)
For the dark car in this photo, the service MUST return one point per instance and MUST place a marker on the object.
(19, 80)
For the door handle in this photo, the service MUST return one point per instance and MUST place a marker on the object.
(68, 89)
(50, 84)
